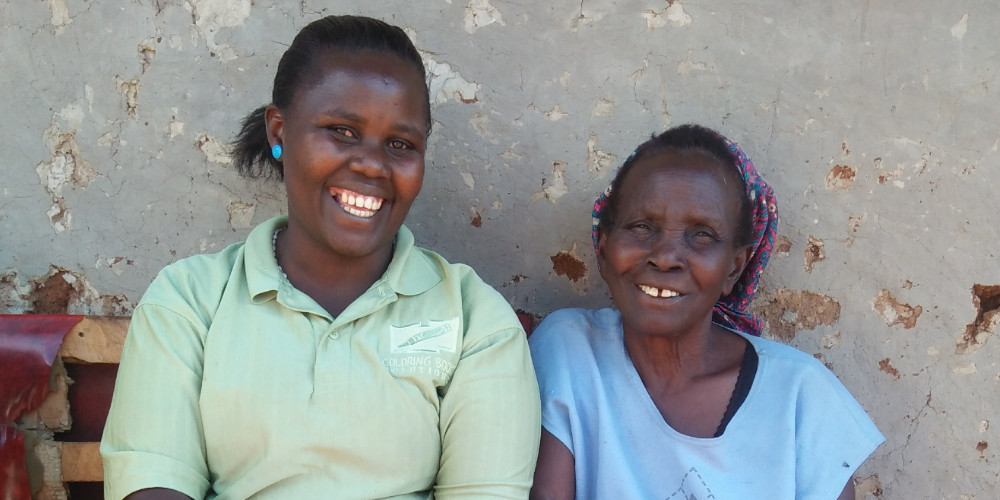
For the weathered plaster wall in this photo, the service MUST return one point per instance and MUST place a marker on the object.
(876, 123)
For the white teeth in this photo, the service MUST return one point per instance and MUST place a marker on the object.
(656, 292)
(357, 204)
(359, 213)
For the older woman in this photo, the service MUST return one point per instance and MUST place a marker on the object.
(327, 356)
(673, 394)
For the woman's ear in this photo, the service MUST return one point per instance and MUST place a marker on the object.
(740, 261)
(274, 123)
(601, 259)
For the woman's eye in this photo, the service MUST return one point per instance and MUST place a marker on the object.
(704, 236)
(401, 145)
(639, 228)
(344, 132)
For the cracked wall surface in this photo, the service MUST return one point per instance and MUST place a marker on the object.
(875, 122)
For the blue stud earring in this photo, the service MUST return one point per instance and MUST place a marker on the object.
(276, 151)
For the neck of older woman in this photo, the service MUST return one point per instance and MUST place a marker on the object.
(690, 378)
(331, 280)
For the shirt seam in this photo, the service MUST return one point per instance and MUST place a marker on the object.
(504, 331)
(199, 326)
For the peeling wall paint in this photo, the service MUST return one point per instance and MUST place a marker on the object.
(874, 123)
(60, 291)
(894, 313)
(447, 84)
(813, 253)
(568, 265)
(479, 13)
(215, 151)
(986, 300)
(673, 15)
(787, 312)
(65, 166)
(840, 177)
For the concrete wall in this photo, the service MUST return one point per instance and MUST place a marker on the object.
(875, 121)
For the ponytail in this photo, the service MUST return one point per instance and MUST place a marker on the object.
(251, 151)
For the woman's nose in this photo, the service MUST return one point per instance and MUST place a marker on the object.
(370, 159)
(666, 251)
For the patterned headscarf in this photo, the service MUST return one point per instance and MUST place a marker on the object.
(733, 310)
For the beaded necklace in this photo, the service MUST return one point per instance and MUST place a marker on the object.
(274, 248)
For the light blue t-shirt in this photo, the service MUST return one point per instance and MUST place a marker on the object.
(799, 434)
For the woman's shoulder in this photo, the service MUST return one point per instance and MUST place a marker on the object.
(195, 272)
(574, 331)
(210, 262)
(421, 259)
(417, 268)
(779, 352)
(796, 368)
(426, 276)
(831, 425)
(582, 316)
(191, 287)
(209, 273)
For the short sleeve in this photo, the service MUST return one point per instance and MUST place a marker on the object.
(153, 436)
(490, 421)
(549, 352)
(834, 435)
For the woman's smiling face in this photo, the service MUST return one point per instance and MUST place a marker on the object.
(354, 140)
(671, 252)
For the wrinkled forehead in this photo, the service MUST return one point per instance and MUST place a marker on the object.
(690, 160)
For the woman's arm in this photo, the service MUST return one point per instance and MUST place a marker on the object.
(848, 493)
(157, 494)
(554, 475)
(153, 437)
(489, 421)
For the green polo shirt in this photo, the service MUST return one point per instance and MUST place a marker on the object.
(235, 384)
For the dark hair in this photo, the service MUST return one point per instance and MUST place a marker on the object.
(685, 138)
(251, 151)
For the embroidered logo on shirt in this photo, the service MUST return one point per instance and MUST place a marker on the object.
(426, 336)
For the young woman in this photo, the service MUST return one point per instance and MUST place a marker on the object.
(673, 395)
(327, 356)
